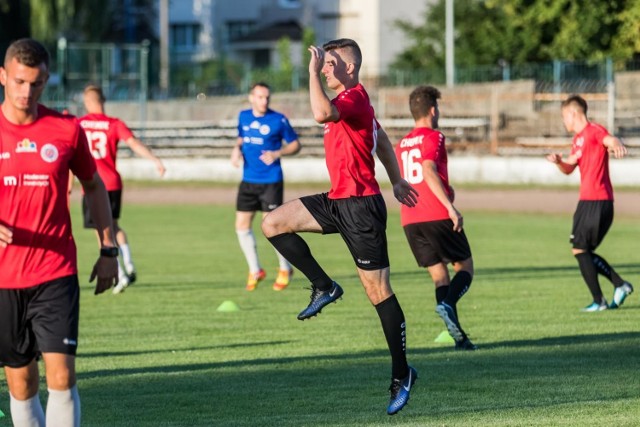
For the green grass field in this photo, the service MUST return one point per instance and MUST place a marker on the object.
(161, 355)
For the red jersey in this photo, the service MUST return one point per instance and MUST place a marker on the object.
(417, 146)
(593, 161)
(34, 174)
(103, 134)
(350, 144)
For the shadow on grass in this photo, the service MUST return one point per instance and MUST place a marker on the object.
(350, 388)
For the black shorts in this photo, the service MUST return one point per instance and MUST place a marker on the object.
(435, 242)
(115, 200)
(362, 223)
(591, 221)
(41, 318)
(259, 197)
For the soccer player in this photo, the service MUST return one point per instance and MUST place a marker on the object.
(104, 133)
(434, 226)
(593, 217)
(261, 131)
(353, 207)
(39, 292)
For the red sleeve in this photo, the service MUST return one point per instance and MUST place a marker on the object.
(122, 131)
(349, 105)
(82, 164)
(430, 150)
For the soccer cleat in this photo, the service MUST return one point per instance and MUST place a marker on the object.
(596, 306)
(620, 294)
(319, 299)
(131, 273)
(254, 279)
(466, 345)
(448, 315)
(122, 285)
(282, 281)
(399, 390)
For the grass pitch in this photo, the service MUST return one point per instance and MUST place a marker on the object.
(161, 355)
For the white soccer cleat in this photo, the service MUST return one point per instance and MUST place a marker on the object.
(121, 286)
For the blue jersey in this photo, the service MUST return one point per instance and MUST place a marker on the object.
(260, 134)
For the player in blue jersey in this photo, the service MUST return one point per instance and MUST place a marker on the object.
(261, 132)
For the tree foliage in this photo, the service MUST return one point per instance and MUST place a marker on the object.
(520, 31)
(77, 20)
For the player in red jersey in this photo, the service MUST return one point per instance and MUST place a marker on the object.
(594, 214)
(104, 133)
(434, 226)
(39, 292)
(353, 207)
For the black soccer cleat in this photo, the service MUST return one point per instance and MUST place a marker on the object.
(319, 299)
(400, 389)
(465, 345)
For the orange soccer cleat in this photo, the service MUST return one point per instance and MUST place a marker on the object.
(282, 281)
(254, 279)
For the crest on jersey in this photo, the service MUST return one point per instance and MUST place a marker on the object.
(26, 146)
(49, 153)
(264, 130)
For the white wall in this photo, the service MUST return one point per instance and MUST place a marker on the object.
(479, 170)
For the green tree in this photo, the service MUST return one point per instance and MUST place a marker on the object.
(520, 31)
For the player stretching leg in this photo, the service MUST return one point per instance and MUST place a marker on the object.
(353, 207)
(590, 150)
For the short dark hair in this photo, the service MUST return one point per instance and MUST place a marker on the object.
(28, 52)
(345, 43)
(97, 90)
(422, 99)
(259, 84)
(576, 100)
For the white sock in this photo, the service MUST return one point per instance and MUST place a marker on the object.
(248, 246)
(63, 408)
(121, 273)
(284, 264)
(126, 257)
(27, 413)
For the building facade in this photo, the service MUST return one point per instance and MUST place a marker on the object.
(248, 31)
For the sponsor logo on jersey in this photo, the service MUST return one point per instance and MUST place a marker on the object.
(35, 180)
(264, 130)
(5, 156)
(10, 181)
(49, 153)
(255, 125)
(411, 142)
(26, 146)
(95, 124)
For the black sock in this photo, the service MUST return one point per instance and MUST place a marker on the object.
(458, 287)
(441, 293)
(393, 325)
(297, 252)
(606, 270)
(590, 275)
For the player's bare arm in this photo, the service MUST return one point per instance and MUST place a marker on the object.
(143, 151)
(321, 107)
(6, 236)
(236, 154)
(615, 146)
(402, 190)
(268, 157)
(106, 267)
(431, 177)
(565, 166)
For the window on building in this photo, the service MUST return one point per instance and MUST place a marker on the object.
(238, 29)
(185, 35)
(261, 58)
(290, 4)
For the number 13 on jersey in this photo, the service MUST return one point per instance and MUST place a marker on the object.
(412, 166)
(97, 143)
